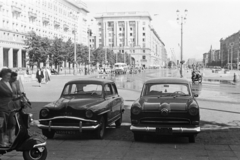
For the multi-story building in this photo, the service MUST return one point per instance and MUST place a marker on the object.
(229, 49)
(48, 18)
(131, 33)
(205, 59)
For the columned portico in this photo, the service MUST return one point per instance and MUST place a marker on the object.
(1, 57)
(19, 58)
(10, 58)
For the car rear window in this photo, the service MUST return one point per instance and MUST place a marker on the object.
(166, 90)
(83, 89)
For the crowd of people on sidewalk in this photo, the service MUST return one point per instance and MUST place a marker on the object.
(11, 90)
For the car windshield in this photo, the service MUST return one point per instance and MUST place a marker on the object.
(85, 89)
(166, 90)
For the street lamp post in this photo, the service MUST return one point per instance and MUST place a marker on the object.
(181, 20)
(75, 53)
(231, 44)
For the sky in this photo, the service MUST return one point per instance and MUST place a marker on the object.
(207, 21)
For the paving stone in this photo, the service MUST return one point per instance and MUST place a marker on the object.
(217, 147)
(212, 153)
(235, 147)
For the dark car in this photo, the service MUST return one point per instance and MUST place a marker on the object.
(166, 107)
(84, 105)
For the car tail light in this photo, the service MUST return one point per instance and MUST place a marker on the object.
(89, 114)
(44, 113)
(136, 110)
(193, 109)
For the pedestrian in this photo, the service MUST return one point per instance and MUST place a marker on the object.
(46, 75)
(39, 76)
(7, 103)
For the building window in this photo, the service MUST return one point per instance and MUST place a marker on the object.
(143, 23)
(143, 51)
(110, 34)
(144, 28)
(133, 51)
(122, 51)
(120, 45)
(143, 34)
(120, 29)
(110, 40)
(143, 57)
(99, 23)
(130, 34)
(143, 39)
(131, 28)
(144, 45)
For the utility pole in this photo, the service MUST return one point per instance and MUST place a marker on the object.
(231, 44)
(182, 20)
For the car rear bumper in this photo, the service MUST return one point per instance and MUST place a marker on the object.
(192, 130)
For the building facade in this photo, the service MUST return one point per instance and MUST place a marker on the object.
(48, 18)
(229, 49)
(131, 33)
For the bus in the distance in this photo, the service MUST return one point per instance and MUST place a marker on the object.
(120, 68)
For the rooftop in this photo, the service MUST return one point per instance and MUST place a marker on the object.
(123, 14)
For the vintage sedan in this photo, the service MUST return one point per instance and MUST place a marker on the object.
(166, 106)
(84, 105)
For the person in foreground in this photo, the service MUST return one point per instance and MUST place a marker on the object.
(7, 103)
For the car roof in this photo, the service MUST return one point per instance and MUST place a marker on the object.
(168, 80)
(91, 80)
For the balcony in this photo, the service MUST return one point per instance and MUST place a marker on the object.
(16, 9)
(1, 4)
(32, 15)
(45, 19)
(65, 27)
(56, 23)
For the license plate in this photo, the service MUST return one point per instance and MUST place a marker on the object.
(164, 131)
(67, 132)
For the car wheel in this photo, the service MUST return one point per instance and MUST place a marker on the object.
(192, 139)
(138, 137)
(48, 134)
(119, 121)
(101, 130)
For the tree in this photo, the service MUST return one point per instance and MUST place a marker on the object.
(98, 56)
(58, 53)
(38, 49)
(69, 51)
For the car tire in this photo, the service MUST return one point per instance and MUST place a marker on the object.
(192, 138)
(48, 134)
(34, 154)
(138, 137)
(101, 130)
(119, 122)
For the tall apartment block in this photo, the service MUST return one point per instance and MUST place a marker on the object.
(132, 33)
(48, 18)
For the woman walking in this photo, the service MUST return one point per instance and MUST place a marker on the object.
(39, 76)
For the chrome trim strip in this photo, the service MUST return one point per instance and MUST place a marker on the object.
(49, 126)
(104, 112)
(80, 126)
(68, 127)
(174, 129)
(68, 117)
(40, 145)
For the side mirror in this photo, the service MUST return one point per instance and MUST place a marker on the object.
(195, 95)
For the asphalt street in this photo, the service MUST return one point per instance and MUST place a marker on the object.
(220, 125)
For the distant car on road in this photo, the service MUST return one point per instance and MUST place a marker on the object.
(166, 106)
(84, 105)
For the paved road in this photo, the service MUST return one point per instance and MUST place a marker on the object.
(219, 138)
